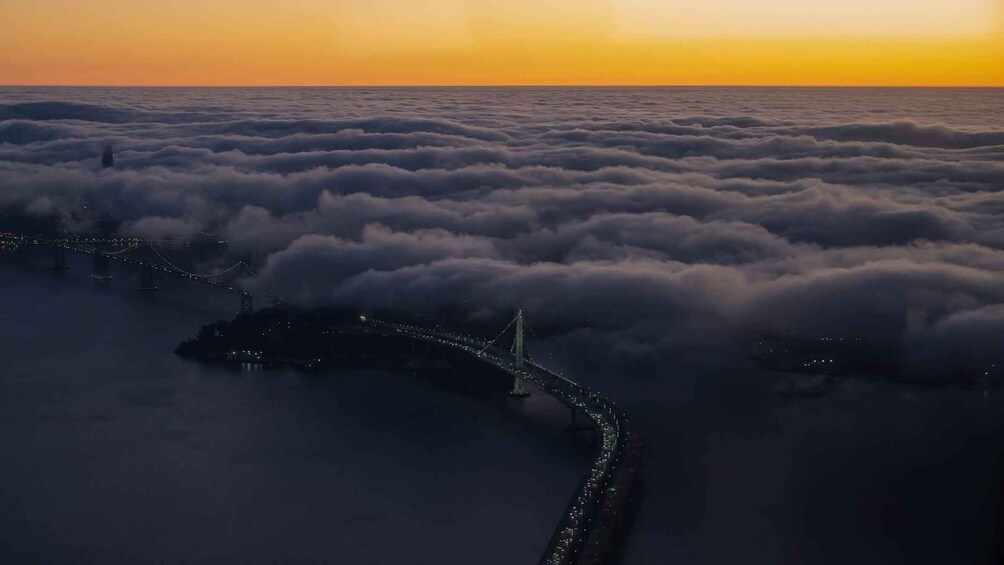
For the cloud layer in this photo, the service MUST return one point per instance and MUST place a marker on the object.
(652, 221)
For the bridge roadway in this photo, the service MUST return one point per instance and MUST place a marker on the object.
(82, 246)
(588, 531)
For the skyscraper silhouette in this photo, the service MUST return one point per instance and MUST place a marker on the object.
(107, 158)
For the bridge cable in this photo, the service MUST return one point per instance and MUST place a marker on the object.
(492, 342)
(197, 275)
(97, 251)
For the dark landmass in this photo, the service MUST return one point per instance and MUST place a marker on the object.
(318, 340)
(859, 358)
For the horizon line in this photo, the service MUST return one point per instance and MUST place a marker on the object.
(527, 85)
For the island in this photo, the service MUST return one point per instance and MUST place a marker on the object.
(320, 340)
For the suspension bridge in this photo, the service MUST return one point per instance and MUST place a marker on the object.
(588, 530)
(150, 255)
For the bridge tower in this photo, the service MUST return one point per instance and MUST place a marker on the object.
(59, 259)
(519, 387)
(102, 271)
(146, 280)
(247, 304)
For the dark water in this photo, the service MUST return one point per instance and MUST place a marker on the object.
(873, 473)
(116, 451)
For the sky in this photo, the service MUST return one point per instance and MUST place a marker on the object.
(503, 42)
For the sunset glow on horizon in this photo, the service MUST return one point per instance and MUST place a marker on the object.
(496, 42)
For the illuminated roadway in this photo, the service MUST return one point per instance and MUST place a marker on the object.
(85, 245)
(588, 531)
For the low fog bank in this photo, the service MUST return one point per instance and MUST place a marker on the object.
(656, 219)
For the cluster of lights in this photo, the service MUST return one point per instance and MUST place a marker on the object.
(817, 362)
(244, 355)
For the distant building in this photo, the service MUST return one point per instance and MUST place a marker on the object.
(107, 158)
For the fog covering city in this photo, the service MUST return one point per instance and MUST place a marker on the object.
(658, 229)
(648, 222)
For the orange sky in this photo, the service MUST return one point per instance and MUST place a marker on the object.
(455, 42)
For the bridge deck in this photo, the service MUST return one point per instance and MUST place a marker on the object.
(587, 531)
(83, 246)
